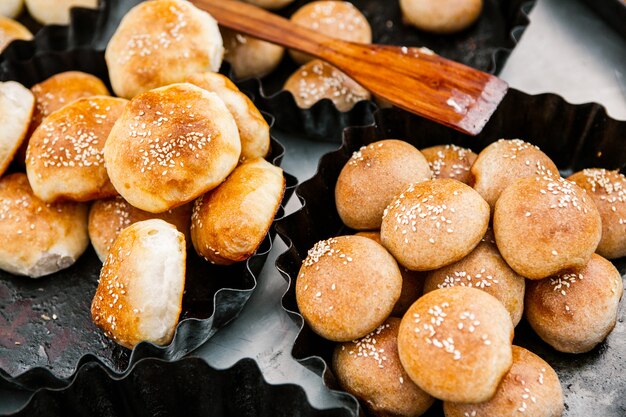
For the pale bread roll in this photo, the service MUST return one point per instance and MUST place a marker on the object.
(39, 238)
(250, 57)
(140, 292)
(16, 110)
(441, 16)
(161, 42)
(451, 161)
(56, 12)
(11, 30)
(11, 8)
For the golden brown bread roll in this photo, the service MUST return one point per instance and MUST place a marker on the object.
(56, 12)
(140, 292)
(441, 16)
(451, 161)
(347, 286)
(107, 218)
(504, 161)
(11, 30)
(455, 344)
(531, 388)
(434, 223)
(170, 146)
(250, 57)
(557, 222)
(373, 177)
(318, 80)
(16, 109)
(577, 309)
(161, 42)
(230, 222)
(369, 368)
(11, 8)
(337, 19)
(64, 159)
(38, 238)
(607, 189)
(270, 4)
(254, 131)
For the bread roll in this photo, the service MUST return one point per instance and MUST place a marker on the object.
(170, 146)
(577, 309)
(107, 218)
(373, 177)
(369, 368)
(16, 109)
(39, 238)
(250, 57)
(451, 161)
(140, 292)
(455, 344)
(11, 8)
(64, 159)
(347, 287)
(230, 222)
(434, 223)
(270, 4)
(318, 80)
(531, 388)
(161, 42)
(254, 131)
(337, 19)
(56, 12)
(441, 16)
(544, 224)
(607, 189)
(11, 30)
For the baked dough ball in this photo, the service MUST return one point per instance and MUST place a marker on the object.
(11, 30)
(369, 368)
(577, 309)
(11, 8)
(504, 161)
(544, 224)
(38, 238)
(56, 12)
(270, 4)
(161, 42)
(170, 146)
(347, 287)
(16, 109)
(250, 57)
(107, 218)
(412, 282)
(441, 16)
(484, 269)
(455, 344)
(318, 80)
(64, 159)
(373, 177)
(531, 388)
(451, 161)
(254, 131)
(337, 19)
(434, 223)
(140, 291)
(230, 222)
(607, 189)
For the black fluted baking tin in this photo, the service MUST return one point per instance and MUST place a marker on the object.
(574, 136)
(613, 11)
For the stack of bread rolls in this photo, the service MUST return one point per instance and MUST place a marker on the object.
(487, 239)
(177, 160)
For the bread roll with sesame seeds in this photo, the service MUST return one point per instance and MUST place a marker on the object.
(434, 223)
(577, 309)
(11, 30)
(441, 16)
(373, 177)
(254, 131)
(544, 224)
(318, 80)
(38, 238)
(369, 368)
(64, 159)
(451, 161)
(531, 388)
(140, 291)
(270, 4)
(161, 42)
(347, 287)
(56, 12)
(250, 57)
(337, 19)
(171, 145)
(107, 218)
(16, 109)
(608, 191)
(504, 161)
(455, 344)
(11, 8)
(484, 269)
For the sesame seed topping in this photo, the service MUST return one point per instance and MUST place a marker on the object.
(565, 281)
(465, 279)
(366, 347)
